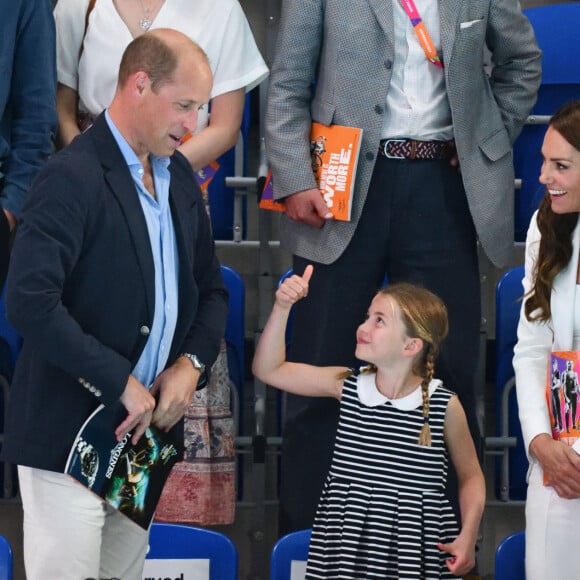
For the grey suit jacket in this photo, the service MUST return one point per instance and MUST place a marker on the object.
(347, 45)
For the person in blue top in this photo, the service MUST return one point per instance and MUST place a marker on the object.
(28, 119)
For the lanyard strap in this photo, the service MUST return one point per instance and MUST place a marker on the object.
(421, 32)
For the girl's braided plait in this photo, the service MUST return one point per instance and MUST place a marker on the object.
(429, 368)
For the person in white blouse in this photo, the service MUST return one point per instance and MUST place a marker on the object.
(550, 321)
(220, 27)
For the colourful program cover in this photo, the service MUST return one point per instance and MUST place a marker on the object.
(563, 394)
(128, 477)
(206, 174)
(334, 151)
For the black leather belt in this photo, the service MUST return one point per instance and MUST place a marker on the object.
(411, 149)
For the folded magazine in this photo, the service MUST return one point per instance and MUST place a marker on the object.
(128, 477)
(334, 151)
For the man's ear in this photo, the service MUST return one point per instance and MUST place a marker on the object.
(140, 81)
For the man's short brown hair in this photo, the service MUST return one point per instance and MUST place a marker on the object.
(152, 55)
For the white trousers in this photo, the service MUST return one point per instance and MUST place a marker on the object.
(552, 551)
(70, 534)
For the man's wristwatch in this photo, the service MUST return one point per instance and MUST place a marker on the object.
(197, 364)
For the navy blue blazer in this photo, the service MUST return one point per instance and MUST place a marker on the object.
(80, 291)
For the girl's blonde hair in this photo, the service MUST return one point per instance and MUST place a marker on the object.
(424, 316)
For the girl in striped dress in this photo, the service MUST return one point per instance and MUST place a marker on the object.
(383, 512)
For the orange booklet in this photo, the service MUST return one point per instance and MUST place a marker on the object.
(563, 395)
(205, 174)
(334, 151)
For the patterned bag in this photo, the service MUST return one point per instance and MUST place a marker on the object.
(201, 489)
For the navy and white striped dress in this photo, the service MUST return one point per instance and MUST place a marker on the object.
(383, 507)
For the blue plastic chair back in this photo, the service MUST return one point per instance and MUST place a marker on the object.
(509, 290)
(235, 327)
(11, 338)
(177, 542)
(235, 344)
(221, 198)
(290, 548)
(6, 560)
(556, 30)
(510, 558)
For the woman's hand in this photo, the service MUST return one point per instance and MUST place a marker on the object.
(560, 463)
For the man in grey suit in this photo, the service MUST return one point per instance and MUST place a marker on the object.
(435, 176)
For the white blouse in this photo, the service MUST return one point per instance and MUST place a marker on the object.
(220, 27)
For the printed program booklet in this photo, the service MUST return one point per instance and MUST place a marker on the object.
(334, 151)
(128, 477)
(206, 174)
(563, 395)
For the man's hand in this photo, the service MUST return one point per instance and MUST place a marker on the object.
(139, 404)
(308, 207)
(175, 386)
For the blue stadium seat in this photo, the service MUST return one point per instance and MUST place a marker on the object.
(509, 290)
(221, 198)
(288, 552)
(510, 558)
(10, 344)
(6, 565)
(235, 344)
(11, 339)
(174, 549)
(235, 331)
(556, 29)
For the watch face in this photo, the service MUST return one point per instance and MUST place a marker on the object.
(198, 364)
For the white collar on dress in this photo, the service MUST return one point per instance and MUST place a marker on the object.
(370, 396)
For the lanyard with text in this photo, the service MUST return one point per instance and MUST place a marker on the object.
(421, 32)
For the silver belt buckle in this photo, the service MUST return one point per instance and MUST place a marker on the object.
(386, 144)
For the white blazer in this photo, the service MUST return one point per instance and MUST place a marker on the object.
(537, 339)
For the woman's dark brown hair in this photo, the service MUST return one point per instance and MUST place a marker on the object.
(555, 249)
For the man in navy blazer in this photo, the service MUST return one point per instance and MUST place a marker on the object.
(28, 119)
(117, 292)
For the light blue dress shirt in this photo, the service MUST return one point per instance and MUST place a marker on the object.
(165, 258)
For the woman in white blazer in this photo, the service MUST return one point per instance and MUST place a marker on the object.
(550, 321)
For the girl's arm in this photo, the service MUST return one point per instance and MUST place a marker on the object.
(471, 489)
(270, 365)
(66, 106)
(222, 132)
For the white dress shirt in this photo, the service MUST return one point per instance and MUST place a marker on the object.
(417, 105)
